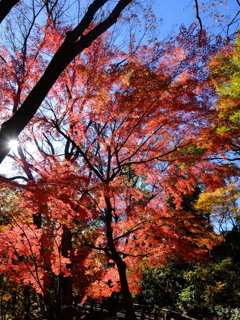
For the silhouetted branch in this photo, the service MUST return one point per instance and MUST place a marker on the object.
(197, 14)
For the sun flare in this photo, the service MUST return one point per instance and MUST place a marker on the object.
(13, 144)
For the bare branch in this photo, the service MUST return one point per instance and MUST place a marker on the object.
(73, 45)
(82, 153)
(197, 14)
(16, 178)
(234, 19)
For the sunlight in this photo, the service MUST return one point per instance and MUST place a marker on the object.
(13, 144)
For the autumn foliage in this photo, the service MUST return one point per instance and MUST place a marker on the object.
(121, 140)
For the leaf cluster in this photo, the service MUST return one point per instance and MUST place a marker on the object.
(202, 291)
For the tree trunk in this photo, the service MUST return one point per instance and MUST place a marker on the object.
(5, 7)
(121, 265)
(74, 43)
(49, 308)
(66, 282)
(129, 309)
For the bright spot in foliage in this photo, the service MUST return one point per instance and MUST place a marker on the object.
(13, 144)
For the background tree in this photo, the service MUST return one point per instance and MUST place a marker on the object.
(225, 79)
(223, 203)
(198, 290)
(222, 206)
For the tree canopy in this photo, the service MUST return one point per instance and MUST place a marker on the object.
(119, 140)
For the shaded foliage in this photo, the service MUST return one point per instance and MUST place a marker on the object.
(209, 291)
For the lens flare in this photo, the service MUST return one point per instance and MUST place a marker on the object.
(13, 144)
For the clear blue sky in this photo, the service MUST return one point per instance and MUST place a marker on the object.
(173, 13)
(177, 12)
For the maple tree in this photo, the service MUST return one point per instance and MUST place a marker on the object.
(202, 290)
(121, 141)
(76, 40)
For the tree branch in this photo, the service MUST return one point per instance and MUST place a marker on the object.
(82, 153)
(5, 7)
(197, 14)
(69, 49)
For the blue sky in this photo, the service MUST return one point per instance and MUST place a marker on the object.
(176, 12)
(173, 13)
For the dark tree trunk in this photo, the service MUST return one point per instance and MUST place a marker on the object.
(74, 43)
(5, 7)
(66, 282)
(48, 309)
(130, 313)
(121, 265)
(27, 302)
